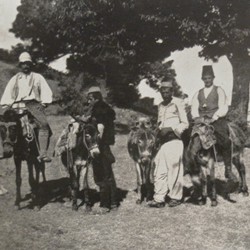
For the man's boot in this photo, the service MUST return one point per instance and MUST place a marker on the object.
(43, 138)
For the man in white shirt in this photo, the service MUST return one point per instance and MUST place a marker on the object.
(210, 104)
(29, 90)
(211, 100)
(168, 174)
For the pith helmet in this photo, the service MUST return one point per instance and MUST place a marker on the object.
(166, 84)
(94, 90)
(25, 57)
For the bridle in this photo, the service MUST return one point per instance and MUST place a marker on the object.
(7, 125)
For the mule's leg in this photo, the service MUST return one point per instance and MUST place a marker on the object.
(239, 164)
(42, 169)
(203, 178)
(148, 183)
(86, 188)
(74, 187)
(18, 164)
(227, 158)
(212, 181)
(139, 183)
(33, 182)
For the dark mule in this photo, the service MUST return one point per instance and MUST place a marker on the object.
(80, 150)
(200, 162)
(24, 146)
(140, 147)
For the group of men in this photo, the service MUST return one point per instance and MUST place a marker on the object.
(28, 90)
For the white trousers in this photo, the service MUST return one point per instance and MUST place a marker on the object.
(168, 174)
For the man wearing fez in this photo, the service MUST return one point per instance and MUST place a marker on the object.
(104, 116)
(210, 104)
(28, 90)
(168, 174)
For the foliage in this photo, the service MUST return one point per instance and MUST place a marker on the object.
(101, 35)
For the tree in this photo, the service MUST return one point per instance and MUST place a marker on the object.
(109, 36)
(221, 27)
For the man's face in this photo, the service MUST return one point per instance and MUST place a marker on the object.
(91, 99)
(25, 67)
(166, 93)
(208, 80)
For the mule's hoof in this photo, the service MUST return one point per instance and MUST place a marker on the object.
(74, 207)
(245, 193)
(138, 202)
(202, 202)
(37, 208)
(17, 207)
(88, 209)
(214, 203)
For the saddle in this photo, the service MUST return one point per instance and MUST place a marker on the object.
(206, 133)
(67, 139)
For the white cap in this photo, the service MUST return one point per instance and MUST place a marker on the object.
(25, 57)
(166, 84)
(94, 89)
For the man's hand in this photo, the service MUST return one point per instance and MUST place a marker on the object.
(164, 131)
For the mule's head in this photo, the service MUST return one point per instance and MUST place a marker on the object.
(90, 139)
(141, 141)
(195, 155)
(8, 132)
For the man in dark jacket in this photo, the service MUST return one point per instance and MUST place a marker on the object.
(104, 116)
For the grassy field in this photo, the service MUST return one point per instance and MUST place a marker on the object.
(133, 226)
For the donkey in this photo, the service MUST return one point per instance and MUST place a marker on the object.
(200, 159)
(140, 145)
(81, 149)
(24, 147)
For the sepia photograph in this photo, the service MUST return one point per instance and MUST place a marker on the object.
(124, 124)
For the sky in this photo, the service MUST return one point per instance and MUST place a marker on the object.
(187, 63)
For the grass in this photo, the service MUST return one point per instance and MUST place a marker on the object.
(133, 226)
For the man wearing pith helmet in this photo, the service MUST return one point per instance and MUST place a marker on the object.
(168, 174)
(28, 90)
(104, 116)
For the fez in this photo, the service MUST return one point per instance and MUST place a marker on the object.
(207, 70)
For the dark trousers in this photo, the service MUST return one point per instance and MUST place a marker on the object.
(221, 132)
(104, 177)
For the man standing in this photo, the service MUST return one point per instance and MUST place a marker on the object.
(104, 116)
(168, 174)
(28, 90)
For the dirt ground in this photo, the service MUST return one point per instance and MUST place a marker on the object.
(56, 226)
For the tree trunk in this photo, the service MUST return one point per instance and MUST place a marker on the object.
(241, 75)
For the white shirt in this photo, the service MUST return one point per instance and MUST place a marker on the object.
(25, 89)
(222, 103)
(173, 115)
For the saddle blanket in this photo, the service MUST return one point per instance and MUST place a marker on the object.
(67, 139)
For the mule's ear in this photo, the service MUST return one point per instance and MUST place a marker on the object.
(10, 115)
(134, 128)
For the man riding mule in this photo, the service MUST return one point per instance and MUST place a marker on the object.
(29, 91)
(212, 135)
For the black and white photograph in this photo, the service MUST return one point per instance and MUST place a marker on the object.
(124, 124)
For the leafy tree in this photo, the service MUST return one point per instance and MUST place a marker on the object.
(105, 37)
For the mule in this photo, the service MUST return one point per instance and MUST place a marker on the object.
(201, 161)
(140, 145)
(24, 147)
(81, 149)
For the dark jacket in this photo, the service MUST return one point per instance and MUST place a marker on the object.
(105, 115)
